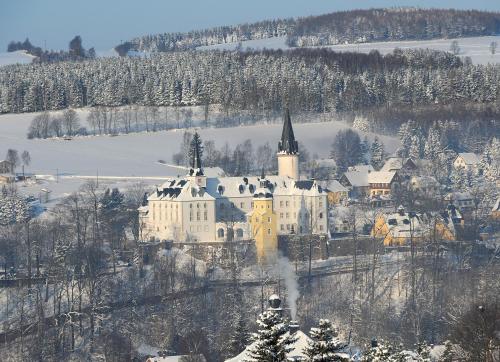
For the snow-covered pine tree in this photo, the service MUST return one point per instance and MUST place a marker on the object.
(383, 352)
(325, 345)
(448, 353)
(272, 341)
(377, 154)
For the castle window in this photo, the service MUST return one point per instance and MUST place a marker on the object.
(287, 204)
(205, 205)
(205, 215)
(241, 188)
(321, 204)
(242, 205)
(190, 206)
(281, 215)
(282, 227)
(197, 205)
(206, 228)
(281, 203)
(321, 228)
(239, 233)
(269, 219)
(197, 215)
(268, 231)
(320, 215)
(288, 227)
(190, 216)
(251, 204)
(287, 215)
(220, 233)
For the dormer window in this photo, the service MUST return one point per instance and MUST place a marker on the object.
(241, 188)
(251, 188)
(220, 189)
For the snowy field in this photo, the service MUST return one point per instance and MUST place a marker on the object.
(477, 48)
(129, 158)
(17, 57)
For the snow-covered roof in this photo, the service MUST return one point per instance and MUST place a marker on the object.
(357, 178)
(297, 352)
(381, 177)
(333, 186)
(361, 168)
(184, 189)
(405, 225)
(392, 164)
(423, 181)
(469, 158)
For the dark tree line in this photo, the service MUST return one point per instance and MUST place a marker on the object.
(317, 81)
(354, 26)
(76, 51)
(361, 26)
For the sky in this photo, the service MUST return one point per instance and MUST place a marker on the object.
(103, 24)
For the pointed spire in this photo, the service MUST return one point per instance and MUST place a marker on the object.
(262, 175)
(196, 166)
(288, 144)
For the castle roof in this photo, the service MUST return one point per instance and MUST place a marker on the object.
(288, 144)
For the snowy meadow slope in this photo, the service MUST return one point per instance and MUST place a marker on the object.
(127, 159)
(477, 48)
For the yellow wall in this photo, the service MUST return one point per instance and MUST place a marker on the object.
(382, 230)
(334, 198)
(264, 231)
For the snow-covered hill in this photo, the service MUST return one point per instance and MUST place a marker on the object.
(477, 48)
(128, 159)
(17, 57)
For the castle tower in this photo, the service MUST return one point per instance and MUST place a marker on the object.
(196, 171)
(263, 222)
(288, 150)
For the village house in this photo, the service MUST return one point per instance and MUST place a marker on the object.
(401, 227)
(467, 161)
(424, 185)
(5, 167)
(335, 191)
(403, 166)
(355, 179)
(382, 182)
(6, 178)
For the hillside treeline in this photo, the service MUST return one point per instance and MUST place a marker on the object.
(352, 26)
(361, 26)
(317, 81)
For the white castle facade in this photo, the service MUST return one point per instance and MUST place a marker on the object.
(200, 208)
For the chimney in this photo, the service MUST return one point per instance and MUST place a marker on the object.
(275, 304)
(293, 326)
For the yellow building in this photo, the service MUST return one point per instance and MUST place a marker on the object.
(263, 223)
(401, 228)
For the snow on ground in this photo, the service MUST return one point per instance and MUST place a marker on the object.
(138, 154)
(63, 166)
(17, 57)
(477, 48)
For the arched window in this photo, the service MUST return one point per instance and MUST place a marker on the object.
(220, 233)
(239, 233)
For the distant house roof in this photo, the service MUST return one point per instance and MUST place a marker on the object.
(361, 168)
(397, 163)
(356, 178)
(334, 186)
(381, 177)
(469, 158)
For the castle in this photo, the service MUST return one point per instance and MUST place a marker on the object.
(196, 208)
